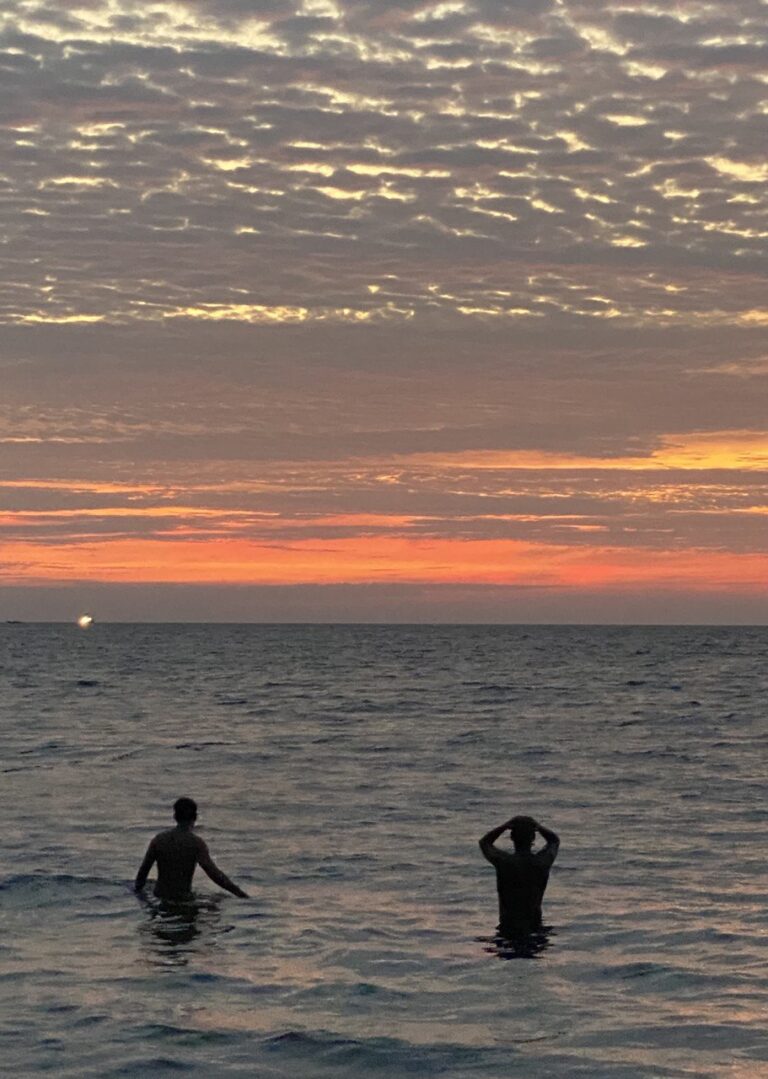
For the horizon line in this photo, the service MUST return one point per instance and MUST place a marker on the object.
(226, 622)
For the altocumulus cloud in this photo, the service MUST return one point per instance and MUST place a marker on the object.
(378, 161)
(362, 274)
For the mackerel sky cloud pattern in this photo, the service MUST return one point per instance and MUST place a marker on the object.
(372, 273)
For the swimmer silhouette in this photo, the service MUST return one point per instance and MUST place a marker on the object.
(522, 875)
(177, 852)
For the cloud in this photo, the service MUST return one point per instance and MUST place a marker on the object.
(140, 141)
(319, 258)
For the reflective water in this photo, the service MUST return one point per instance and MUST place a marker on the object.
(344, 775)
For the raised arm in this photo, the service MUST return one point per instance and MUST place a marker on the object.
(552, 839)
(208, 866)
(488, 840)
(144, 868)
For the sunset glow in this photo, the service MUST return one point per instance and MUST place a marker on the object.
(377, 296)
(199, 559)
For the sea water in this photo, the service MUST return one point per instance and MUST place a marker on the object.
(344, 775)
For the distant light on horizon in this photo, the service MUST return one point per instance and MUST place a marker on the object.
(85, 620)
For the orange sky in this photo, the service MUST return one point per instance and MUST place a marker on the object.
(622, 523)
(369, 559)
(481, 305)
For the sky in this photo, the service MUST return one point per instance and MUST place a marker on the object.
(384, 310)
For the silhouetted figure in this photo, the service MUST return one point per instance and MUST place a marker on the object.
(177, 851)
(522, 875)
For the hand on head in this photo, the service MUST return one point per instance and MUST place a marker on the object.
(522, 830)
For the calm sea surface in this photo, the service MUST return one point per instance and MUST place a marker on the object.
(344, 775)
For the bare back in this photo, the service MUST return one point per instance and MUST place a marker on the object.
(176, 851)
(521, 879)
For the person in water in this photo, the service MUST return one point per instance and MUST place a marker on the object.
(177, 852)
(521, 877)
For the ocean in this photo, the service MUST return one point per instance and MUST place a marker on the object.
(344, 775)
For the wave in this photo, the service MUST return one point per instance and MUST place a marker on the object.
(379, 1054)
(202, 745)
(26, 883)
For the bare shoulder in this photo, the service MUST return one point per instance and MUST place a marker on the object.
(176, 839)
(548, 853)
(202, 854)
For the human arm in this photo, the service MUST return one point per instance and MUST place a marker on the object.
(209, 867)
(144, 868)
(552, 840)
(487, 841)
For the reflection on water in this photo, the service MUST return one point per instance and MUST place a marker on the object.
(358, 953)
(518, 945)
(172, 933)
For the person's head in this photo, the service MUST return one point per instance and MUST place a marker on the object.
(185, 811)
(523, 832)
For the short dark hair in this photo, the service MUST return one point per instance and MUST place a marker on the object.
(185, 810)
(523, 832)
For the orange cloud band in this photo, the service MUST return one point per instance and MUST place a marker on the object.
(356, 560)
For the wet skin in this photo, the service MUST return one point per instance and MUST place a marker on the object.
(178, 851)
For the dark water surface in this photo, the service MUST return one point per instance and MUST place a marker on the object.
(344, 775)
